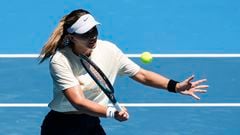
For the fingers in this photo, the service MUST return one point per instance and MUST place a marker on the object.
(195, 96)
(192, 92)
(199, 81)
(200, 91)
(186, 84)
(194, 87)
(189, 79)
(200, 87)
(125, 114)
(122, 115)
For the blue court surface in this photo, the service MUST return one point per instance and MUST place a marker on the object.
(207, 29)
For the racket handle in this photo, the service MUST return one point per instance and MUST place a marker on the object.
(118, 107)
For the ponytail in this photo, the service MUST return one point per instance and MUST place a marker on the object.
(54, 42)
(56, 39)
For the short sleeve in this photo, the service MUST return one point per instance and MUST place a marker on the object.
(127, 66)
(62, 76)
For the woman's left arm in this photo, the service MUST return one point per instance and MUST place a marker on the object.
(185, 87)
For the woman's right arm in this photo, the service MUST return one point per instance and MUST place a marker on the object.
(78, 100)
(66, 82)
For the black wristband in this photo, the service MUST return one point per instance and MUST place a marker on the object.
(172, 86)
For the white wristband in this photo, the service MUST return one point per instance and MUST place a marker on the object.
(110, 112)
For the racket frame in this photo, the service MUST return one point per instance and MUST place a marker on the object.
(108, 92)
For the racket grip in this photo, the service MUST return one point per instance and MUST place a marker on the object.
(118, 107)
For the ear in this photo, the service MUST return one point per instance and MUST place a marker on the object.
(70, 37)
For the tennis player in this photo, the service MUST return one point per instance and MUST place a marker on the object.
(77, 102)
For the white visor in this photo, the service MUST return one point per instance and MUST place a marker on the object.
(83, 24)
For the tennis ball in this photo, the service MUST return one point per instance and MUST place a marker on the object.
(146, 57)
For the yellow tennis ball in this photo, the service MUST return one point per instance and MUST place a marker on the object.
(146, 57)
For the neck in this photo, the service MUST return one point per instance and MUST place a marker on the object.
(77, 51)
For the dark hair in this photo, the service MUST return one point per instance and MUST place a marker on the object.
(55, 41)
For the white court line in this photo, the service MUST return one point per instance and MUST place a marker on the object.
(19, 55)
(188, 55)
(138, 55)
(182, 104)
(135, 104)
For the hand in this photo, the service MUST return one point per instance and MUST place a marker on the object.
(187, 87)
(122, 115)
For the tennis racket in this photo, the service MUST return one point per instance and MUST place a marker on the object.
(101, 80)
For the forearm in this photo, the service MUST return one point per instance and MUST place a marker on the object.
(78, 100)
(151, 79)
(91, 108)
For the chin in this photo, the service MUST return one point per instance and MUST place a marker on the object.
(92, 46)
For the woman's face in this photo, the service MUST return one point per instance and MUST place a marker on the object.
(85, 43)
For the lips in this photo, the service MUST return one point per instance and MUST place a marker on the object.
(91, 46)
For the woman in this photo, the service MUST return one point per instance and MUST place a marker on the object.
(77, 102)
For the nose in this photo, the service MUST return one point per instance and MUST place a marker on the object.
(92, 39)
